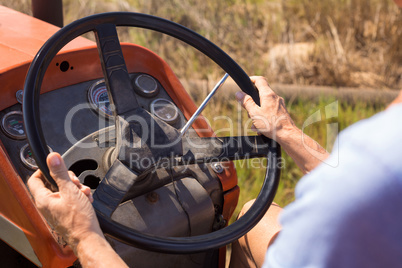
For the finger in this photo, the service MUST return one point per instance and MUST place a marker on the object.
(74, 178)
(253, 128)
(85, 189)
(260, 82)
(58, 170)
(37, 186)
(91, 198)
(247, 102)
(264, 90)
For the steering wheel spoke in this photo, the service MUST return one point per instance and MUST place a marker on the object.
(114, 69)
(112, 189)
(208, 150)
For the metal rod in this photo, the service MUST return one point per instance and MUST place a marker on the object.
(203, 105)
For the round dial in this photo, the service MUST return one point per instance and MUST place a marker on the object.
(13, 125)
(146, 85)
(165, 110)
(99, 100)
(27, 158)
(19, 95)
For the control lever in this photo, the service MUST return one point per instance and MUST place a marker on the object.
(203, 105)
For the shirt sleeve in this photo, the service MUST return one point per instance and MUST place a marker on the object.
(349, 215)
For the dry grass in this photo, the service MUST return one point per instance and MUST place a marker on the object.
(337, 43)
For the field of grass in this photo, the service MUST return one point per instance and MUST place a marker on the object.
(309, 42)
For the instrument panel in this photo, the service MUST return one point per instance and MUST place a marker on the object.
(69, 114)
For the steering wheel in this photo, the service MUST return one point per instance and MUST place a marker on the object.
(129, 132)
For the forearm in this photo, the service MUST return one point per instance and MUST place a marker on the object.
(95, 251)
(272, 119)
(305, 151)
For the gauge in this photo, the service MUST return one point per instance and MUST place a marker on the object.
(146, 85)
(27, 158)
(13, 125)
(165, 110)
(19, 95)
(99, 100)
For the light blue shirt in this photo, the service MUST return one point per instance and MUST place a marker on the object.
(349, 215)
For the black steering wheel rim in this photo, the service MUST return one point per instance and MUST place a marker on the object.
(40, 150)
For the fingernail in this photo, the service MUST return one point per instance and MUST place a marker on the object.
(54, 161)
(239, 95)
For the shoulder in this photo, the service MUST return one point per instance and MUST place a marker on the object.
(349, 209)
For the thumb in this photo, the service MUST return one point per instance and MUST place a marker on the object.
(247, 102)
(58, 170)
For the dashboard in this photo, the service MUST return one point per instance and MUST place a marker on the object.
(71, 113)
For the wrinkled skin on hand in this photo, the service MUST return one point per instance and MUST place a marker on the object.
(69, 211)
(271, 118)
(71, 214)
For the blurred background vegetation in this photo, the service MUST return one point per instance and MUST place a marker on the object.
(312, 42)
(337, 43)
